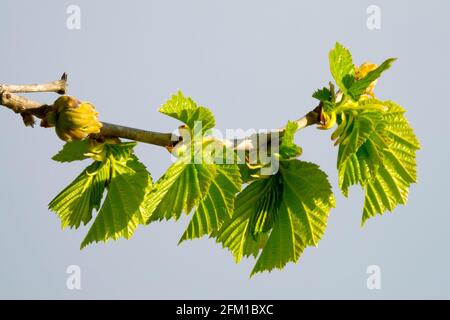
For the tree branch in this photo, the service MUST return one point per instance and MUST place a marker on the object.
(151, 137)
(22, 105)
(19, 104)
(59, 86)
(312, 117)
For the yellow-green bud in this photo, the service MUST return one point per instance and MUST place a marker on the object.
(73, 119)
(327, 120)
(362, 71)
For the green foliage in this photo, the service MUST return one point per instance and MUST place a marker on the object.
(390, 185)
(180, 189)
(194, 181)
(359, 86)
(121, 211)
(218, 203)
(356, 130)
(76, 202)
(377, 146)
(377, 150)
(126, 181)
(73, 151)
(187, 111)
(323, 94)
(341, 67)
(343, 72)
(327, 98)
(288, 149)
(275, 217)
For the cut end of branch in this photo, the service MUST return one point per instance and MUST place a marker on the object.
(63, 82)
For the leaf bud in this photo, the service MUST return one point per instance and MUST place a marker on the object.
(73, 119)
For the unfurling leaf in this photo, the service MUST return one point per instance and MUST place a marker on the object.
(323, 94)
(361, 85)
(350, 82)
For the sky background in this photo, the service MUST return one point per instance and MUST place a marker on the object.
(255, 64)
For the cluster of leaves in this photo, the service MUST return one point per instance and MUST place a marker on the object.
(120, 173)
(377, 146)
(274, 217)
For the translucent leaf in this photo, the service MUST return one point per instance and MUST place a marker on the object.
(180, 189)
(288, 149)
(121, 151)
(358, 129)
(285, 243)
(187, 111)
(126, 180)
(235, 233)
(75, 203)
(72, 151)
(390, 186)
(217, 205)
(121, 211)
(360, 86)
(341, 67)
(377, 151)
(299, 218)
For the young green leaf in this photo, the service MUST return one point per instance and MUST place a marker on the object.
(276, 216)
(390, 186)
(360, 86)
(288, 149)
(341, 67)
(76, 202)
(323, 94)
(187, 111)
(359, 128)
(359, 167)
(377, 151)
(122, 210)
(180, 189)
(304, 201)
(361, 154)
(73, 151)
(235, 233)
(126, 180)
(121, 151)
(217, 205)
